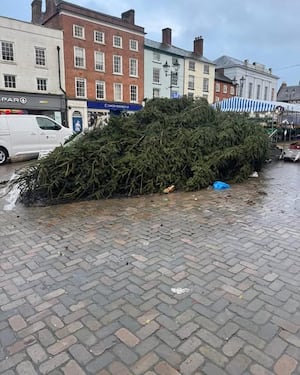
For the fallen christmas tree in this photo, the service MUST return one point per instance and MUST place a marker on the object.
(171, 141)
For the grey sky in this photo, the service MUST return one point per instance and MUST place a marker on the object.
(264, 31)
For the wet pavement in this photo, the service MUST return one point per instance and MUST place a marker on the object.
(187, 283)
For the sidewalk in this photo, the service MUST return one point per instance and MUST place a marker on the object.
(184, 283)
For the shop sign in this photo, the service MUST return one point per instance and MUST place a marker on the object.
(11, 99)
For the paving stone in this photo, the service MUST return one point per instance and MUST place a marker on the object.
(17, 322)
(37, 353)
(144, 363)
(285, 365)
(213, 355)
(80, 353)
(26, 368)
(192, 363)
(163, 368)
(238, 365)
(72, 368)
(189, 345)
(233, 346)
(276, 347)
(53, 363)
(127, 337)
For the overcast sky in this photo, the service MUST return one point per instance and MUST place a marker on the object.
(263, 31)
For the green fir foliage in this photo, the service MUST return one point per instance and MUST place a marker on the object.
(171, 141)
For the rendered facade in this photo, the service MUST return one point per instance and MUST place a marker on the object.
(254, 80)
(32, 69)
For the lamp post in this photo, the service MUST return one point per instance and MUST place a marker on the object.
(242, 81)
(173, 73)
(235, 85)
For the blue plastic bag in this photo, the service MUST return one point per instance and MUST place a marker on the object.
(219, 185)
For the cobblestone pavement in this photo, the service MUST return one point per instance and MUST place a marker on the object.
(185, 283)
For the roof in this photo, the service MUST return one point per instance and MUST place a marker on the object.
(61, 5)
(229, 62)
(172, 50)
(289, 93)
(219, 76)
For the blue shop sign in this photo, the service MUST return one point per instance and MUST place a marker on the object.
(114, 106)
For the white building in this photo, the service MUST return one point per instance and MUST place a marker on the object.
(254, 80)
(32, 78)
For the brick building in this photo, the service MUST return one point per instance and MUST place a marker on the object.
(104, 59)
(224, 87)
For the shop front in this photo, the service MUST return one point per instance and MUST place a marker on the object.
(53, 106)
(99, 112)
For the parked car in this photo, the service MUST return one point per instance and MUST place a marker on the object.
(26, 136)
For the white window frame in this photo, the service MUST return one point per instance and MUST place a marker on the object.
(102, 39)
(133, 67)
(10, 81)
(191, 82)
(192, 65)
(78, 58)
(156, 92)
(117, 62)
(218, 87)
(231, 90)
(41, 84)
(156, 56)
(9, 52)
(133, 95)
(77, 88)
(40, 56)
(99, 63)
(98, 84)
(156, 75)
(76, 31)
(206, 69)
(205, 84)
(225, 88)
(133, 45)
(119, 43)
(118, 92)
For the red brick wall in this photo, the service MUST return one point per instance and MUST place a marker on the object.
(66, 24)
(218, 96)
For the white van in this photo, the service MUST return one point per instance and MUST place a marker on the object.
(26, 136)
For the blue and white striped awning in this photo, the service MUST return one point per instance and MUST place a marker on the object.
(238, 104)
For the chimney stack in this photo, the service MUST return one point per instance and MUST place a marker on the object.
(36, 12)
(128, 16)
(198, 46)
(167, 36)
